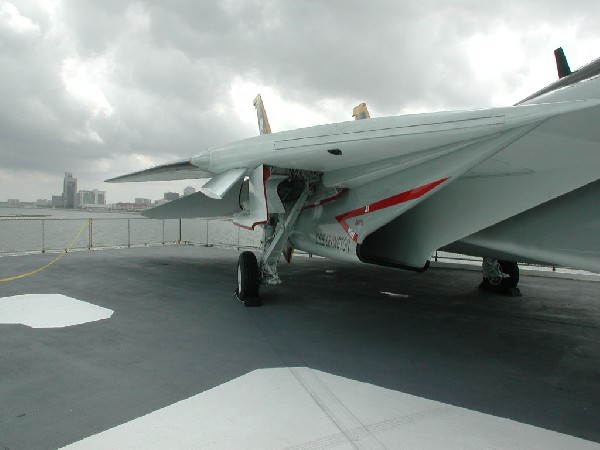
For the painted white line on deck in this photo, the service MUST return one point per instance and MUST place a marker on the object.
(271, 408)
(49, 311)
(393, 294)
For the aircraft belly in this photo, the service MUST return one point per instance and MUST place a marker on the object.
(539, 167)
(369, 207)
(561, 232)
(327, 246)
(317, 232)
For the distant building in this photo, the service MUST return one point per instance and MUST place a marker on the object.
(93, 198)
(124, 206)
(13, 202)
(170, 196)
(143, 201)
(57, 201)
(69, 191)
(189, 191)
(131, 207)
(85, 198)
(41, 202)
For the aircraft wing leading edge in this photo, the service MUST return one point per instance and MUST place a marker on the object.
(328, 148)
(177, 170)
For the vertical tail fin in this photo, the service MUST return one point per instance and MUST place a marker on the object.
(263, 121)
(562, 66)
(360, 111)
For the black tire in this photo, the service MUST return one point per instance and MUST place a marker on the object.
(503, 284)
(248, 279)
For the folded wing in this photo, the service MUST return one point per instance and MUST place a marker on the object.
(198, 205)
(176, 170)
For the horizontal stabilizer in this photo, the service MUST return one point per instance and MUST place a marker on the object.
(177, 170)
(198, 205)
(220, 184)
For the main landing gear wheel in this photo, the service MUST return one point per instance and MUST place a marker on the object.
(248, 275)
(499, 276)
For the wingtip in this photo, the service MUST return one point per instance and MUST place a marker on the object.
(178, 170)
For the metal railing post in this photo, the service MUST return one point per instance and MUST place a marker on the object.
(179, 240)
(238, 238)
(90, 234)
(207, 232)
(163, 231)
(43, 236)
(128, 233)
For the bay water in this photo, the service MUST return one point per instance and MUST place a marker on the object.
(38, 230)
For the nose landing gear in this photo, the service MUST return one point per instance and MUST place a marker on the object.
(250, 273)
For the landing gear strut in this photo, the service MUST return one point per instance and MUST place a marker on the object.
(500, 276)
(251, 273)
(278, 237)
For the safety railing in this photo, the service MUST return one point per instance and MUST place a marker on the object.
(29, 235)
(24, 234)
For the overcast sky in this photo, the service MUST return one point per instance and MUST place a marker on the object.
(103, 88)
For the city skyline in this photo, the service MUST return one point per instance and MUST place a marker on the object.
(119, 193)
(76, 198)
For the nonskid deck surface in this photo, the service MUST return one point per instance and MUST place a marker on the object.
(340, 354)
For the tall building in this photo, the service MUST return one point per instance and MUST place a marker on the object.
(91, 198)
(57, 201)
(85, 198)
(69, 191)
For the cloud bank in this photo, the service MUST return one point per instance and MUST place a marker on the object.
(103, 88)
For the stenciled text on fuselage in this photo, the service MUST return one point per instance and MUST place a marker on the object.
(339, 243)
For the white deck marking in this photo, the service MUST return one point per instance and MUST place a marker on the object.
(271, 408)
(350, 427)
(49, 311)
(393, 294)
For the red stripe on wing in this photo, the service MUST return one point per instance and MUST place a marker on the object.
(403, 197)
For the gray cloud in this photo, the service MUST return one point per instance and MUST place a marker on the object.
(161, 72)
